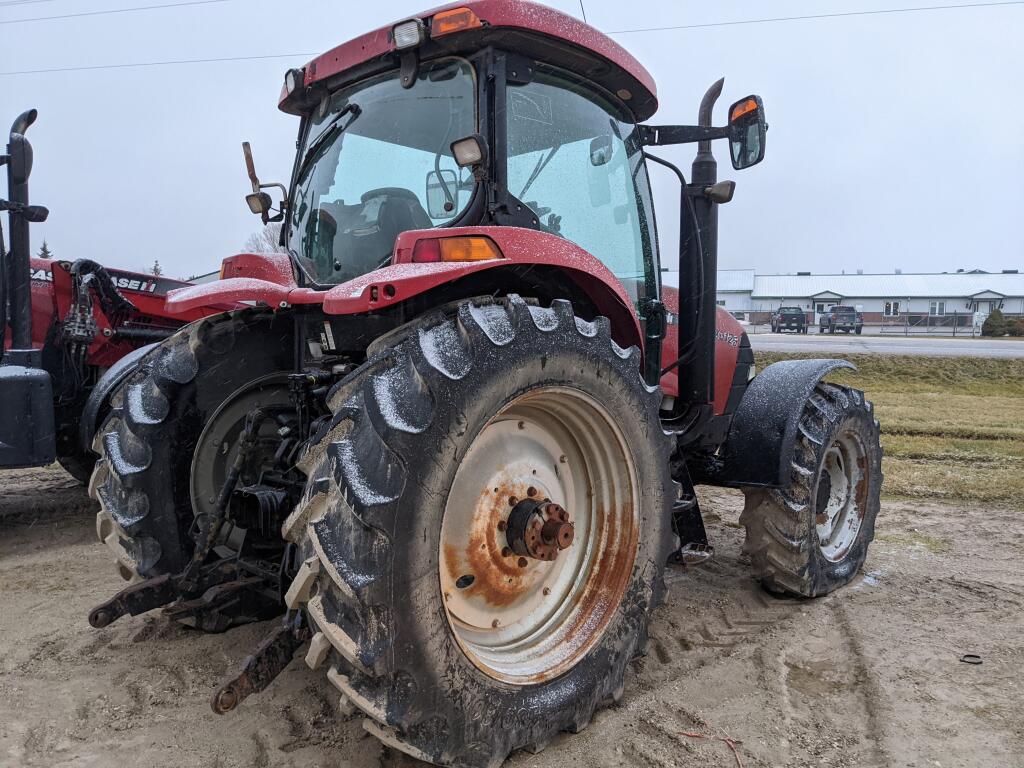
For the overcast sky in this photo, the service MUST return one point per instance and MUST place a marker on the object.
(896, 140)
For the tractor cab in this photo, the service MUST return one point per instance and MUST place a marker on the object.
(490, 113)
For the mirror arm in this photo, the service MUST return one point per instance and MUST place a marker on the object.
(661, 135)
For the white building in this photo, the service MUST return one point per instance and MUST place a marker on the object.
(948, 295)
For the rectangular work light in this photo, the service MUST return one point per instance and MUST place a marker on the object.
(408, 34)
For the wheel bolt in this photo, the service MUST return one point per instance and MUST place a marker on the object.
(523, 562)
(495, 623)
(506, 552)
(502, 525)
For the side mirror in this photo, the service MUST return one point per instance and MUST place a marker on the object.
(260, 202)
(747, 129)
(442, 194)
(35, 213)
(600, 150)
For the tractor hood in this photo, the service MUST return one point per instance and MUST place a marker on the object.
(527, 28)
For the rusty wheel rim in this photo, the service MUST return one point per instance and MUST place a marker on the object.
(840, 496)
(520, 619)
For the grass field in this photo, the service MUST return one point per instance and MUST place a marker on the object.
(952, 428)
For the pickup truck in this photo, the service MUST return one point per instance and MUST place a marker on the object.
(842, 318)
(789, 319)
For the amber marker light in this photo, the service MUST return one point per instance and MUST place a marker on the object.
(455, 20)
(455, 249)
(738, 111)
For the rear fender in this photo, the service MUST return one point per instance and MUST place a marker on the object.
(404, 279)
(759, 447)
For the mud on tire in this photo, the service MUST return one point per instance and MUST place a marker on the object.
(146, 444)
(370, 525)
(812, 536)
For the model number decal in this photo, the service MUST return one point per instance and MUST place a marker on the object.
(729, 338)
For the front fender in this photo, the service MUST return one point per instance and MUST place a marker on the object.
(759, 447)
(95, 405)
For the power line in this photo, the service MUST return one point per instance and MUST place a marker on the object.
(584, 12)
(161, 63)
(816, 16)
(115, 10)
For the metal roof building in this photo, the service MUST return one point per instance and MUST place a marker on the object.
(877, 296)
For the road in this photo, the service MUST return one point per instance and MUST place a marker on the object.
(888, 345)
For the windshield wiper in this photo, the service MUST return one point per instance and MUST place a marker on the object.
(541, 165)
(329, 133)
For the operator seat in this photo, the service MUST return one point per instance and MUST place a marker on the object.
(396, 210)
(363, 235)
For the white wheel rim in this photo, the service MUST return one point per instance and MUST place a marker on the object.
(525, 624)
(841, 496)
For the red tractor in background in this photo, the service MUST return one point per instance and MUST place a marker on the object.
(455, 436)
(64, 325)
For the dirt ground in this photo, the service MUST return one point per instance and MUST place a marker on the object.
(870, 676)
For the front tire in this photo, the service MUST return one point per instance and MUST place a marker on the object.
(456, 648)
(148, 444)
(812, 536)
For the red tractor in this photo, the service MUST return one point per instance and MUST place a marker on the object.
(455, 437)
(71, 325)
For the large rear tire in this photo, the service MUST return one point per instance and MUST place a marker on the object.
(812, 536)
(146, 446)
(456, 648)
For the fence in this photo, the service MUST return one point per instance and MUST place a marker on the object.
(955, 324)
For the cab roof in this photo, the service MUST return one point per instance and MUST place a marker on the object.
(526, 28)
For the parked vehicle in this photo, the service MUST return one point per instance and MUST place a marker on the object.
(465, 399)
(789, 319)
(839, 317)
(63, 325)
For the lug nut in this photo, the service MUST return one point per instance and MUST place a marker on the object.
(502, 525)
(523, 562)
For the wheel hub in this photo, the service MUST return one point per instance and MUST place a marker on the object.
(539, 529)
(840, 496)
(539, 536)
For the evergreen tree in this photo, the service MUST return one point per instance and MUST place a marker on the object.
(156, 269)
(994, 325)
(45, 252)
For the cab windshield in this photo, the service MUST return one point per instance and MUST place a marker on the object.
(375, 162)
